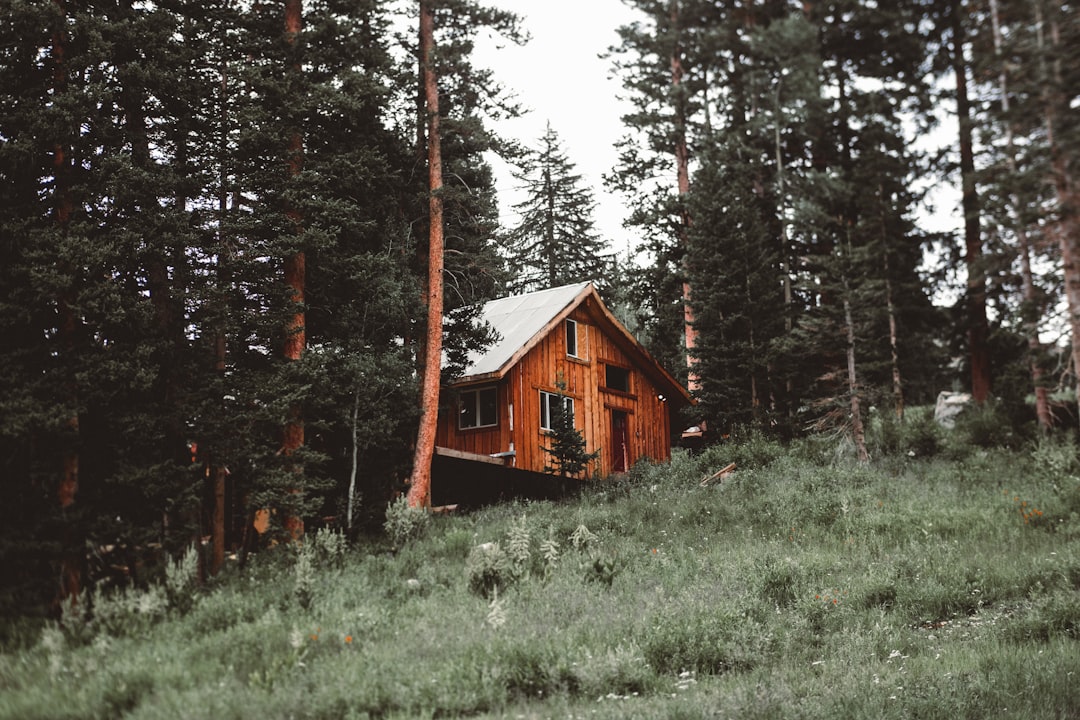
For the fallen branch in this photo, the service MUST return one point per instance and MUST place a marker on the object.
(718, 475)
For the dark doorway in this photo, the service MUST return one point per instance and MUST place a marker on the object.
(620, 441)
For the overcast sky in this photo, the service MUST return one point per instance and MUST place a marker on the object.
(559, 77)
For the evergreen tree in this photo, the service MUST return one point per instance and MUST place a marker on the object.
(554, 241)
(567, 444)
(663, 61)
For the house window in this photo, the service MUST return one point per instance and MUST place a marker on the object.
(478, 408)
(571, 339)
(617, 378)
(549, 406)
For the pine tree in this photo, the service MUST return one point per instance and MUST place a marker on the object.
(663, 63)
(566, 448)
(554, 241)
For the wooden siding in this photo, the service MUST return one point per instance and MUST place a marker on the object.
(481, 441)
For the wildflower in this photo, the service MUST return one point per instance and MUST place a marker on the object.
(314, 636)
(348, 639)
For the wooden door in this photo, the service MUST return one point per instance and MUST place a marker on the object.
(620, 441)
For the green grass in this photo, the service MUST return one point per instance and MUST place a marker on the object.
(802, 586)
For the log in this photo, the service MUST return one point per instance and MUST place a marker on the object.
(718, 475)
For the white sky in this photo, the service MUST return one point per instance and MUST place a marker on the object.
(558, 77)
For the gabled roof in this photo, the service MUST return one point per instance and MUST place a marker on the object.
(522, 321)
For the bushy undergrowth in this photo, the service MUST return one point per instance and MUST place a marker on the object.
(930, 583)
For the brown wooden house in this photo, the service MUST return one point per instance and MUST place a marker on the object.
(623, 401)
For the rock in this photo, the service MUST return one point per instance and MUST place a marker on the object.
(949, 406)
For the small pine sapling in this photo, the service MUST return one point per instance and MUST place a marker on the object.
(567, 452)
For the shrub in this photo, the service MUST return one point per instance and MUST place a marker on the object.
(583, 538)
(127, 612)
(329, 547)
(748, 448)
(1055, 456)
(917, 435)
(404, 523)
(602, 569)
(549, 553)
(304, 575)
(182, 580)
(519, 548)
(488, 569)
(985, 427)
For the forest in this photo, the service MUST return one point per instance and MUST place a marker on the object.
(236, 237)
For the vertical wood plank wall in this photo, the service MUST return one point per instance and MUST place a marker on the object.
(648, 417)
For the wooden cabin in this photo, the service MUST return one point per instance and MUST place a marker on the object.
(623, 401)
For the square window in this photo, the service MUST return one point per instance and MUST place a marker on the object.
(478, 408)
(617, 378)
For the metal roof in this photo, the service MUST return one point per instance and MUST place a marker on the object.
(521, 321)
(516, 320)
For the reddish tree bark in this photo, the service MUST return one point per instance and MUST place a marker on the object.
(71, 562)
(682, 169)
(420, 481)
(215, 464)
(295, 271)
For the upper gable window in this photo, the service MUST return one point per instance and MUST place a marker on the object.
(479, 408)
(617, 378)
(572, 348)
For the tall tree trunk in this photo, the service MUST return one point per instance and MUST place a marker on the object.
(551, 259)
(978, 327)
(215, 464)
(295, 276)
(890, 307)
(355, 461)
(1055, 106)
(1030, 311)
(682, 169)
(71, 562)
(786, 263)
(858, 431)
(420, 482)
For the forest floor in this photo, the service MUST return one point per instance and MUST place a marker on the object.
(801, 585)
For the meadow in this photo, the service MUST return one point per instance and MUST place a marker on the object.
(942, 580)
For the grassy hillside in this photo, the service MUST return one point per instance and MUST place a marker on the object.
(801, 586)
